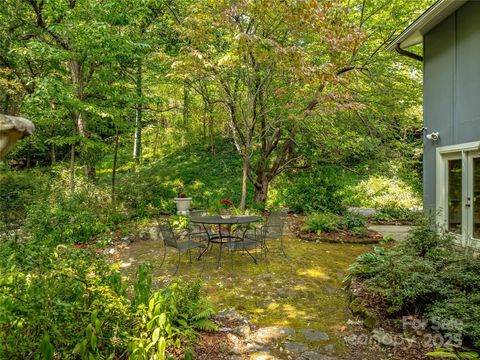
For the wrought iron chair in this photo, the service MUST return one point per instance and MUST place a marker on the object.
(198, 231)
(170, 240)
(275, 225)
(247, 243)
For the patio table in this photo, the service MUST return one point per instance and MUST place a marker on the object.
(222, 238)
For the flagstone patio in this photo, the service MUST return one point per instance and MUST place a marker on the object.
(301, 295)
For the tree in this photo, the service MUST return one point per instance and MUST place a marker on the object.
(275, 62)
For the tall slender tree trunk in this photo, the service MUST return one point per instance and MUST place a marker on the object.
(78, 79)
(53, 155)
(243, 199)
(137, 145)
(72, 169)
(155, 141)
(114, 169)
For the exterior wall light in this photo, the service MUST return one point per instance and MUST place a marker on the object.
(434, 136)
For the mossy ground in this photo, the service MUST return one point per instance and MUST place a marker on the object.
(303, 290)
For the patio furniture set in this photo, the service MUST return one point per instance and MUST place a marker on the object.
(237, 233)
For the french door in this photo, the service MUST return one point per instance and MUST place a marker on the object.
(458, 192)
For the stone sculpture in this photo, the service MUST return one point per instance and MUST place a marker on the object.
(12, 129)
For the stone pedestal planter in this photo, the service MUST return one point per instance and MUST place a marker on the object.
(183, 205)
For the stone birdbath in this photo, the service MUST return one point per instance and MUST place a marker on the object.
(12, 129)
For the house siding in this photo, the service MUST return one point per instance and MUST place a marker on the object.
(451, 87)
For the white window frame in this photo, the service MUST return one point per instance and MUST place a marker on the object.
(443, 154)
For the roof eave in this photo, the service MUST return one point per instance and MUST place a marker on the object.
(435, 14)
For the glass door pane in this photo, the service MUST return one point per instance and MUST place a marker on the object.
(476, 198)
(455, 196)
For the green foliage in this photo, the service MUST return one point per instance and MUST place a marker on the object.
(61, 302)
(175, 312)
(453, 354)
(76, 218)
(426, 275)
(19, 191)
(352, 222)
(384, 192)
(396, 214)
(312, 191)
(322, 222)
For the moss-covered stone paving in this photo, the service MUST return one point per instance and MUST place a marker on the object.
(303, 291)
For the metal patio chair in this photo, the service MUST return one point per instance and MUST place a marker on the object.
(198, 231)
(247, 243)
(275, 224)
(170, 239)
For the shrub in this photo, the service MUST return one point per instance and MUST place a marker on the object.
(426, 275)
(353, 222)
(395, 214)
(18, 191)
(322, 222)
(385, 192)
(61, 302)
(75, 218)
(310, 192)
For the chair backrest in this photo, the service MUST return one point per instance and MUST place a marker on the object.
(198, 212)
(274, 226)
(168, 236)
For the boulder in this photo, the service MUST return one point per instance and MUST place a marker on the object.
(12, 129)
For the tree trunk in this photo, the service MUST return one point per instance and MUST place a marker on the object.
(243, 199)
(72, 169)
(137, 145)
(155, 142)
(114, 169)
(261, 191)
(53, 155)
(77, 73)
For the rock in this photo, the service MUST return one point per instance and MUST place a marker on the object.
(235, 357)
(231, 315)
(273, 333)
(358, 308)
(314, 335)
(225, 329)
(263, 357)
(242, 330)
(329, 348)
(382, 337)
(236, 344)
(295, 347)
(312, 355)
(254, 347)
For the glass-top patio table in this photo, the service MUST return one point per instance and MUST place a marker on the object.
(222, 238)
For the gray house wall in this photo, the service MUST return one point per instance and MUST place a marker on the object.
(451, 99)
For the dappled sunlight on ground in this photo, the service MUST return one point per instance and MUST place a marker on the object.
(301, 291)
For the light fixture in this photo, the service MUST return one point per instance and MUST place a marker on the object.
(434, 136)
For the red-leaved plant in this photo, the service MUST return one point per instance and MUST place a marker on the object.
(226, 203)
(182, 195)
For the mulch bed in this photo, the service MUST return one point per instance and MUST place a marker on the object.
(342, 237)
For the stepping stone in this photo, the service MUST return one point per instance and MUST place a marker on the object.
(330, 348)
(273, 333)
(253, 347)
(312, 355)
(314, 335)
(295, 347)
(242, 330)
